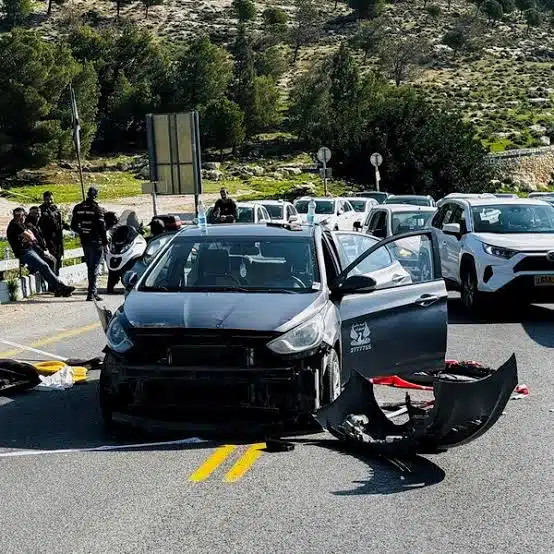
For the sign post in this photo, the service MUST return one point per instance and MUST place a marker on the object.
(376, 160)
(324, 155)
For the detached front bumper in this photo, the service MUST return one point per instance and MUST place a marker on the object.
(463, 411)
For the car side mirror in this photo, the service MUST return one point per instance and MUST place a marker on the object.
(129, 279)
(452, 229)
(195, 221)
(340, 212)
(357, 225)
(294, 219)
(357, 283)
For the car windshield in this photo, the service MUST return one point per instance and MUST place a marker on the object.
(412, 200)
(245, 214)
(405, 222)
(275, 211)
(358, 205)
(513, 218)
(242, 264)
(321, 206)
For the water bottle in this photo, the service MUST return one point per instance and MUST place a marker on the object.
(202, 222)
(311, 212)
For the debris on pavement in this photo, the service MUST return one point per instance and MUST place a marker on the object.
(55, 375)
(464, 408)
(17, 376)
(521, 391)
(278, 445)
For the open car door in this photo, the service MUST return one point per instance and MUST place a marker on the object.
(400, 328)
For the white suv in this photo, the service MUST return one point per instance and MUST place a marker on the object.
(491, 245)
(335, 213)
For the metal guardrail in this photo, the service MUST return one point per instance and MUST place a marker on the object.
(8, 265)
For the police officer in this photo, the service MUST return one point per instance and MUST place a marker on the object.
(52, 225)
(88, 222)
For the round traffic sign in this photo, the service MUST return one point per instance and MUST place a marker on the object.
(376, 159)
(324, 154)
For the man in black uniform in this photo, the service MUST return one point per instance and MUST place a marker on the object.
(88, 222)
(25, 247)
(225, 208)
(52, 225)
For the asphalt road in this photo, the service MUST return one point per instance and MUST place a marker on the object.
(492, 496)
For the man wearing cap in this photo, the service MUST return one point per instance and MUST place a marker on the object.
(52, 225)
(88, 222)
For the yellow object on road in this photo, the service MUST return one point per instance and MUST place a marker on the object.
(51, 367)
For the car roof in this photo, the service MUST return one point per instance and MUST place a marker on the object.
(426, 196)
(330, 198)
(247, 230)
(247, 204)
(273, 202)
(405, 208)
(498, 201)
(364, 198)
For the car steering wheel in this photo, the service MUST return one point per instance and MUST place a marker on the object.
(299, 281)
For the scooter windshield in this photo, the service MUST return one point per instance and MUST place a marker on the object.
(122, 236)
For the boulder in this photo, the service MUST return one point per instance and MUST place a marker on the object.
(291, 170)
(257, 170)
(211, 166)
(212, 175)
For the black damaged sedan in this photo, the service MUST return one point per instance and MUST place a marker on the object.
(271, 324)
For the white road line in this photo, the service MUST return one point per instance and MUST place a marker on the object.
(106, 448)
(36, 350)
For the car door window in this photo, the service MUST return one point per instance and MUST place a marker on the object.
(458, 216)
(289, 212)
(396, 263)
(379, 224)
(347, 206)
(439, 217)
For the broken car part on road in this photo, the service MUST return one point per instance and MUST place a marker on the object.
(463, 410)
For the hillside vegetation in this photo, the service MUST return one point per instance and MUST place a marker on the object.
(359, 76)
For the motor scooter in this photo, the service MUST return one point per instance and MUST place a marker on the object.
(126, 246)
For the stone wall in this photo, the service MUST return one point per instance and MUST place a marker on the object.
(528, 172)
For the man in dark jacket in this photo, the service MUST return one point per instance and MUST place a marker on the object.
(88, 222)
(24, 246)
(31, 222)
(51, 224)
(225, 209)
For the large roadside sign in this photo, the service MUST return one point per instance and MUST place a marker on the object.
(174, 153)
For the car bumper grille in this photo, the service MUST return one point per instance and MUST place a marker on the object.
(534, 263)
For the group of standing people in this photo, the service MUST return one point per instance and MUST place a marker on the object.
(36, 239)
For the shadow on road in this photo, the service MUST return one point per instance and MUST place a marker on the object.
(388, 476)
(536, 320)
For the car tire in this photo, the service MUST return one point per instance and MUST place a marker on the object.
(105, 400)
(332, 386)
(472, 299)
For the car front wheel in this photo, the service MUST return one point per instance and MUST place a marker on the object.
(471, 297)
(332, 385)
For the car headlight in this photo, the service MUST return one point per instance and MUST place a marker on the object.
(118, 340)
(404, 253)
(301, 338)
(499, 252)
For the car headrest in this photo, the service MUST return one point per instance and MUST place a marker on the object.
(214, 261)
(245, 250)
(272, 250)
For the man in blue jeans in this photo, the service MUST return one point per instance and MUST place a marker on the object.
(25, 247)
(88, 222)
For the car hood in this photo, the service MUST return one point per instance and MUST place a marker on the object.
(220, 310)
(524, 241)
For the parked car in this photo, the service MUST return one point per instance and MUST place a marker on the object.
(281, 211)
(377, 195)
(497, 246)
(412, 199)
(362, 207)
(279, 323)
(248, 212)
(388, 220)
(335, 213)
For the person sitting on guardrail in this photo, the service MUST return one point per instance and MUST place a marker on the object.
(31, 222)
(24, 246)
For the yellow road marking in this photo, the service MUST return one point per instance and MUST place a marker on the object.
(54, 338)
(212, 463)
(246, 461)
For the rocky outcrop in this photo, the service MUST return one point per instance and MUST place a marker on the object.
(527, 173)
